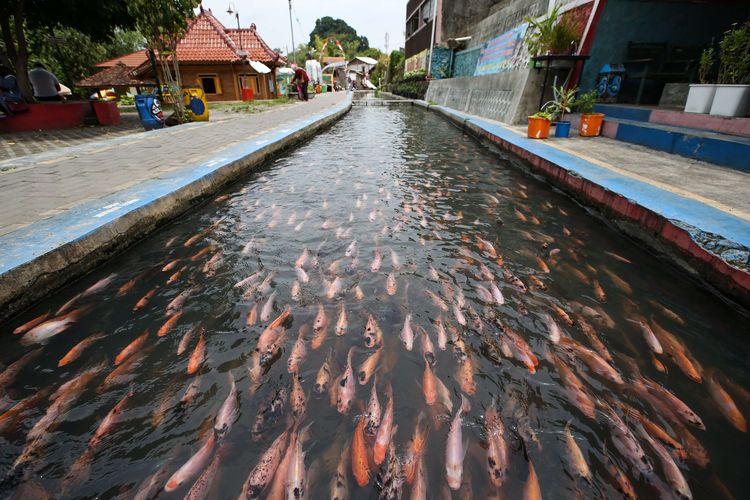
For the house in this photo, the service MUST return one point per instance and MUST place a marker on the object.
(221, 60)
(119, 76)
(225, 61)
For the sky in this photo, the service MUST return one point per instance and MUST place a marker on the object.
(371, 18)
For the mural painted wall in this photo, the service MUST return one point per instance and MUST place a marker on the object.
(503, 53)
(417, 61)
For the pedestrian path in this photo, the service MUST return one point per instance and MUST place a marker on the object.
(66, 211)
(44, 185)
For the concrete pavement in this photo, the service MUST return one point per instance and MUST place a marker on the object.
(65, 211)
(47, 184)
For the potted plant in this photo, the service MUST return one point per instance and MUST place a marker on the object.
(563, 103)
(591, 123)
(733, 89)
(539, 125)
(701, 95)
(551, 34)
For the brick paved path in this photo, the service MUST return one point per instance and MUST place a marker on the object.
(42, 185)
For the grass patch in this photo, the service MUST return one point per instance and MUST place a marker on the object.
(256, 106)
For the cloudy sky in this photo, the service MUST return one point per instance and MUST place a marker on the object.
(371, 18)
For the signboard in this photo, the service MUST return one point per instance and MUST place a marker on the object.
(503, 53)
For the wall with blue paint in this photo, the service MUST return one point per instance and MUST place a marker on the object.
(465, 62)
(684, 23)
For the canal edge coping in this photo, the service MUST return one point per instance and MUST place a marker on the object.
(667, 235)
(49, 254)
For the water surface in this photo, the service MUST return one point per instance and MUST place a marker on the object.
(408, 184)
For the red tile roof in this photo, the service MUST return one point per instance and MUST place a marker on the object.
(207, 40)
(133, 60)
(118, 75)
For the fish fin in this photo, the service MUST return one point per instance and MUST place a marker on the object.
(465, 447)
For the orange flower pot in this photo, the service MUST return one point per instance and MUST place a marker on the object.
(591, 125)
(538, 128)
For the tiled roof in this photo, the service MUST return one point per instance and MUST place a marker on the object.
(118, 75)
(207, 40)
(134, 59)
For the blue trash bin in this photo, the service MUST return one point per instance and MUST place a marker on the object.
(149, 111)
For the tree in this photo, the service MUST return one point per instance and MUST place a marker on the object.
(163, 23)
(19, 17)
(396, 65)
(337, 29)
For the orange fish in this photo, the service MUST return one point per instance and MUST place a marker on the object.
(145, 299)
(169, 324)
(726, 404)
(542, 265)
(31, 324)
(134, 346)
(415, 449)
(562, 314)
(196, 359)
(252, 316)
(109, 421)
(429, 385)
(360, 465)
(78, 349)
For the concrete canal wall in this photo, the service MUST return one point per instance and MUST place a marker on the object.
(675, 226)
(53, 252)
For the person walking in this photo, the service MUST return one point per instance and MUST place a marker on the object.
(46, 86)
(302, 80)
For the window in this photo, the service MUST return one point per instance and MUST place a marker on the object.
(426, 10)
(412, 25)
(248, 81)
(211, 84)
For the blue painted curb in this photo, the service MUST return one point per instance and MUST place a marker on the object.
(23, 249)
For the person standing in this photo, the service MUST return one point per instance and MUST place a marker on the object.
(302, 80)
(46, 86)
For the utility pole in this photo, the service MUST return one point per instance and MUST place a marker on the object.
(291, 27)
(388, 55)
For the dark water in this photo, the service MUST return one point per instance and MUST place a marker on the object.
(407, 181)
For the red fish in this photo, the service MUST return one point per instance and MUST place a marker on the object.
(198, 356)
(131, 348)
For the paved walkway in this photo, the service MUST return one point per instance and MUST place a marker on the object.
(720, 187)
(44, 185)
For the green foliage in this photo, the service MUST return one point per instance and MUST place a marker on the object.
(66, 52)
(396, 65)
(705, 64)
(551, 33)
(126, 100)
(545, 115)
(338, 29)
(734, 56)
(585, 102)
(124, 42)
(415, 74)
(563, 102)
(162, 22)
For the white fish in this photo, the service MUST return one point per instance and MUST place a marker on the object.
(407, 334)
(265, 313)
(301, 275)
(456, 447)
(497, 294)
(552, 329)
(228, 412)
(351, 249)
(377, 261)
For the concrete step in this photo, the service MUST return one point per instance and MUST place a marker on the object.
(732, 126)
(713, 147)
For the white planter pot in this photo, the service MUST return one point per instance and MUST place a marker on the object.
(699, 99)
(731, 100)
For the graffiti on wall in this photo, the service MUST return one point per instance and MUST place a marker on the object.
(417, 61)
(506, 52)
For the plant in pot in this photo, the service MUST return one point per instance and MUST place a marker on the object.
(539, 124)
(733, 89)
(563, 103)
(701, 95)
(552, 34)
(591, 123)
